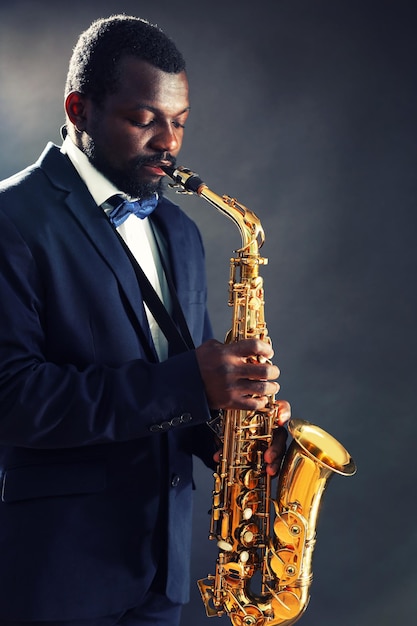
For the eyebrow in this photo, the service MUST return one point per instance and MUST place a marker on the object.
(146, 107)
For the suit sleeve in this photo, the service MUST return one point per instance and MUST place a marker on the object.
(46, 404)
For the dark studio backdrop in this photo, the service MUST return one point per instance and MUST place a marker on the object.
(305, 110)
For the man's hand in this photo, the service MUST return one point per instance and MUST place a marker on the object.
(275, 453)
(238, 375)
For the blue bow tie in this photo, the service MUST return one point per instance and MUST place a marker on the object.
(123, 208)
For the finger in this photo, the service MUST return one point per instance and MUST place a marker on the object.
(254, 370)
(284, 412)
(265, 371)
(252, 348)
(252, 395)
(278, 445)
(275, 452)
(273, 468)
(246, 402)
(258, 388)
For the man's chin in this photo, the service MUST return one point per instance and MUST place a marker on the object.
(139, 189)
(129, 183)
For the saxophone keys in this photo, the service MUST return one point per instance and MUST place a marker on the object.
(249, 535)
(290, 530)
(249, 503)
(259, 358)
(286, 605)
(250, 479)
(251, 617)
(283, 564)
(247, 514)
(224, 545)
(244, 556)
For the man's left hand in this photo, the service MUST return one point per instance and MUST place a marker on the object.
(275, 452)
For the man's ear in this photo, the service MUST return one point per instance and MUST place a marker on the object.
(76, 109)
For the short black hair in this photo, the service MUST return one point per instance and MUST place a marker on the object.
(94, 65)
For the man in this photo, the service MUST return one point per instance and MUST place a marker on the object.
(101, 410)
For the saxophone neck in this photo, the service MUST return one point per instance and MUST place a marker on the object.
(249, 225)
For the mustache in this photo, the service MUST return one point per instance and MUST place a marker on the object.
(155, 159)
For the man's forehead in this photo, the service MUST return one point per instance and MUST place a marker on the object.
(134, 69)
(144, 85)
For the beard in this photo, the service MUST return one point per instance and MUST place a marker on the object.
(128, 180)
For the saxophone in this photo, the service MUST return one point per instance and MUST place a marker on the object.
(263, 569)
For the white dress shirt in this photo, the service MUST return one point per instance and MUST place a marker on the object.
(136, 232)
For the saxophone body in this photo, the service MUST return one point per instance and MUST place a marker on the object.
(263, 570)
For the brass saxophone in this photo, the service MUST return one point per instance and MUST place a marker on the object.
(263, 569)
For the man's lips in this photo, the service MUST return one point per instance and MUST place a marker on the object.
(155, 168)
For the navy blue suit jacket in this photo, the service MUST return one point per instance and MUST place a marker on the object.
(91, 496)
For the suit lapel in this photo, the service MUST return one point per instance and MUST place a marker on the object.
(95, 225)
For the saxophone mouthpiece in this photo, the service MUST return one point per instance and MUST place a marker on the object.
(168, 169)
(185, 178)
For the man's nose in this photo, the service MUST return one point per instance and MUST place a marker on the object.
(167, 138)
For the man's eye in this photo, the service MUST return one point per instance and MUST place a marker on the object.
(177, 124)
(142, 124)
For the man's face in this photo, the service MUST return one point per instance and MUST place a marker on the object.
(139, 128)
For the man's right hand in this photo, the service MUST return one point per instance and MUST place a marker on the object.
(238, 375)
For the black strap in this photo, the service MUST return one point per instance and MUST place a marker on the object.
(177, 309)
(178, 341)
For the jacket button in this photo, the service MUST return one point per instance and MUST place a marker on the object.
(175, 480)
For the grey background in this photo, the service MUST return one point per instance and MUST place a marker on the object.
(305, 110)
